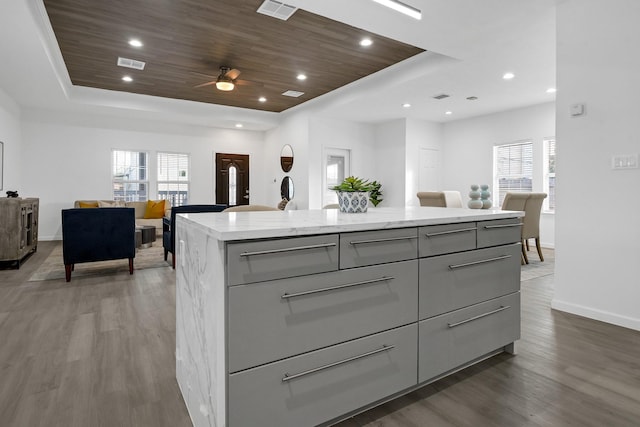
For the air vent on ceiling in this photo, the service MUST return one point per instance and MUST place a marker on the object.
(293, 93)
(441, 96)
(277, 9)
(131, 63)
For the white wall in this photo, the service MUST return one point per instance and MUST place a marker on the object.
(598, 227)
(69, 158)
(11, 136)
(294, 130)
(390, 155)
(468, 151)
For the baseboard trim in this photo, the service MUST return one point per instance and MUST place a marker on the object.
(593, 313)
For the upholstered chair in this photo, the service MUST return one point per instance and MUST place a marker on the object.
(531, 224)
(169, 225)
(452, 199)
(97, 234)
(516, 202)
(432, 198)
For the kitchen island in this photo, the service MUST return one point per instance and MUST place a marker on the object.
(303, 318)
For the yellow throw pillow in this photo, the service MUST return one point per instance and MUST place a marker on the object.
(155, 209)
(88, 204)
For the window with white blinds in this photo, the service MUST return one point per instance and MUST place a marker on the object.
(550, 174)
(513, 169)
(173, 178)
(129, 175)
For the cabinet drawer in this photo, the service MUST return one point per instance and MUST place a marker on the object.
(377, 247)
(315, 387)
(453, 339)
(258, 261)
(446, 239)
(499, 232)
(316, 311)
(450, 282)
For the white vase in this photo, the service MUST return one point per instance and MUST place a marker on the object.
(353, 201)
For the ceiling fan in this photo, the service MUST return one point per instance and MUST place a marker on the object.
(226, 80)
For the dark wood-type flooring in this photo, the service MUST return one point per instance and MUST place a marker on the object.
(100, 352)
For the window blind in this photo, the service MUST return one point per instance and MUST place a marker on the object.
(513, 168)
(173, 177)
(129, 175)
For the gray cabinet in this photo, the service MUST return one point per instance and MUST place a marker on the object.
(319, 327)
(18, 228)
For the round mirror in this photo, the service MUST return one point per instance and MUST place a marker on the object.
(286, 158)
(286, 188)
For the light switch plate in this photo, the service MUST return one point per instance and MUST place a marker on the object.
(576, 110)
(624, 161)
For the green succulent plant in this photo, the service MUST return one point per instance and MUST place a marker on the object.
(352, 184)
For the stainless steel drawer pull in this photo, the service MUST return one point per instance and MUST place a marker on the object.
(467, 264)
(390, 239)
(488, 227)
(460, 230)
(295, 248)
(333, 288)
(480, 316)
(288, 377)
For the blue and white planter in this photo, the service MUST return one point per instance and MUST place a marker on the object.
(353, 201)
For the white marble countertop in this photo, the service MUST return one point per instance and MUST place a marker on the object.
(227, 226)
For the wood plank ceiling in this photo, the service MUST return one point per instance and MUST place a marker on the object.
(186, 42)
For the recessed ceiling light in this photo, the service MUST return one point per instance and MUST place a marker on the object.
(238, 125)
(135, 43)
(508, 76)
(127, 79)
(448, 113)
(406, 105)
(366, 42)
(401, 7)
(551, 90)
(301, 77)
(262, 99)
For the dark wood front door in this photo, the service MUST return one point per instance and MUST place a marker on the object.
(232, 179)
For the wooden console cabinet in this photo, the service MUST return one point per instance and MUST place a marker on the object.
(346, 313)
(18, 228)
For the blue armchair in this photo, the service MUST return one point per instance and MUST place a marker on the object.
(168, 225)
(97, 234)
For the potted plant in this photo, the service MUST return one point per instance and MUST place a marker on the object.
(375, 195)
(353, 194)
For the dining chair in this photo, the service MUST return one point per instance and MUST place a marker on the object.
(432, 198)
(531, 224)
(517, 202)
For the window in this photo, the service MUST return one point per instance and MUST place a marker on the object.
(129, 175)
(173, 178)
(233, 185)
(550, 174)
(513, 169)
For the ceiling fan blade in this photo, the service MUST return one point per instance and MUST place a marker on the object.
(247, 83)
(203, 74)
(232, 74)
(206, 84)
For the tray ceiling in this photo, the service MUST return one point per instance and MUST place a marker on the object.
(186, 43)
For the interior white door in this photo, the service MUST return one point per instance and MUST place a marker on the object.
(429, 175)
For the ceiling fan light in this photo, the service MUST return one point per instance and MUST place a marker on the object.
(224, 85)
